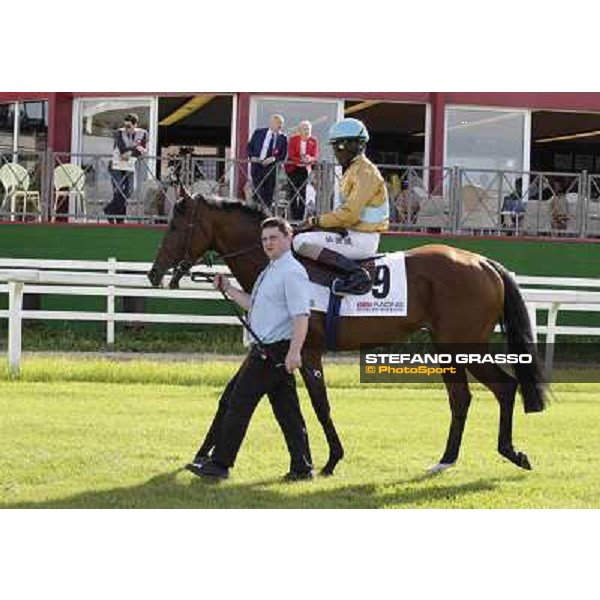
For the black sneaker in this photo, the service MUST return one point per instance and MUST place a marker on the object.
(197, 462)
(201, 457)
(295, 476)
(209, 470)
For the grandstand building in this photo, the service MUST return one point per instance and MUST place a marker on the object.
(546, 131)
(458, 165)
(456, 162)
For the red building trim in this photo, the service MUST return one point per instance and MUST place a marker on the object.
(61, 107)
(243, 124)
(436, 150)
(121, 94)
(537, 100)
(397, 96)
(416, 97)
(60, 117)
(582, 101)
(242, 136)
(24, 96)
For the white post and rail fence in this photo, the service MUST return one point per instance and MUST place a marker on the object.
(112, 279)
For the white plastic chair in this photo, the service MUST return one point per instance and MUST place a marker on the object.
(479, 208)
(15, 181)
(69, 182)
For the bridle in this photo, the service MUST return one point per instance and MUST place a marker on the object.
(185, 265)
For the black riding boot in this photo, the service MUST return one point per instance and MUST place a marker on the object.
(355, 280)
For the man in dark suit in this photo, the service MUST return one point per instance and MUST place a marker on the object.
(267, 147)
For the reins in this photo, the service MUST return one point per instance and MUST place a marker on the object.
(185, 266)
(263, 351)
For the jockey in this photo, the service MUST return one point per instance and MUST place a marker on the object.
(364, 212)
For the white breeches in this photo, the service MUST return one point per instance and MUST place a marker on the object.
(356, 246)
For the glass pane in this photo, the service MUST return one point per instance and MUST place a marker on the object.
(485, 139)
(100, 120)
(321, 114)
(33, 126)
(7, 125)
(33, 139)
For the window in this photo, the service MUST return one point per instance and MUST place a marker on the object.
(33, 126)
(24, 137)
(98, 119)
(29, 132)
(487, 139)
(7, 126)
(321, 113)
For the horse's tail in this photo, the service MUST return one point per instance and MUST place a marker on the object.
(520, 340)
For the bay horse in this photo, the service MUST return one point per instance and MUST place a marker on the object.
(458, 295)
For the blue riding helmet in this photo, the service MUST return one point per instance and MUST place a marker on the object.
(348, 129)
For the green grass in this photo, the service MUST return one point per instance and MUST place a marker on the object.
(154, 337)
(100, 434)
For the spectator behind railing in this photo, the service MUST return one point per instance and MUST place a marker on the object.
(130, 143)
(266, 148)
(559, 210)
(187, 158)
(513, 209)
(408, 199)
(540, 188)
(303, 154)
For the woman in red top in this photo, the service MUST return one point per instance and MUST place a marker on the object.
(303, 153)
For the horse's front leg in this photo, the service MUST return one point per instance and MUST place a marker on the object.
(314, 379)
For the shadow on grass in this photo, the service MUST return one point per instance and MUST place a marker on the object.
(177, 490)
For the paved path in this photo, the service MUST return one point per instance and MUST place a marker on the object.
(169, 356)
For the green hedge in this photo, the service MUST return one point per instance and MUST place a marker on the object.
(539, 256)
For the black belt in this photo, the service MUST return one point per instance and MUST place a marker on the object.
(280, 344)
(276, 352)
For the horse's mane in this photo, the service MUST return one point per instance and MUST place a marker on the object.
(251, 209)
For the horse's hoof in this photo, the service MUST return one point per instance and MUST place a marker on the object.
(440, 468)
(329, 468)
(516, 458)
(332, 463)
(523, 462)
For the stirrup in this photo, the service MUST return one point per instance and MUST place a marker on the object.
(357, 283)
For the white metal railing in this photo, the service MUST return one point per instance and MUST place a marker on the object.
(112, 279)
(63, 186)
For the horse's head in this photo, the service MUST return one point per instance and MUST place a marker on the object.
(198, 225)
(187, 238)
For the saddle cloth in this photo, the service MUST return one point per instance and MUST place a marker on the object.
(388, 297)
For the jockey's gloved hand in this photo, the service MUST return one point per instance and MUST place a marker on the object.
(305, 226)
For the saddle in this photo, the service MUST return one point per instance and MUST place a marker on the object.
(335, 271)
(325, 275)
